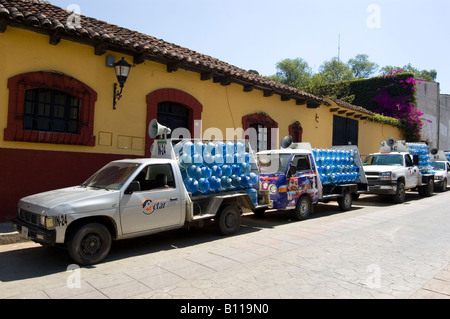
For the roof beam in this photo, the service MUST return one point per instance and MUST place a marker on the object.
(312, 105)
(173, 67)
(223, 80)
(138, 58)
(268, 93)
(249, 87)
(101, 48)
(3, 25)
(55, 38)
(300, 101)
(205, 76)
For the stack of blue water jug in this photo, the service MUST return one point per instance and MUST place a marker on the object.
(422, 150)
(336, 166)
(215, 167)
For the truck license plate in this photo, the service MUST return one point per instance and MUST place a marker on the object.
(24, 232)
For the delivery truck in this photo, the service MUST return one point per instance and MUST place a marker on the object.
(298, 176)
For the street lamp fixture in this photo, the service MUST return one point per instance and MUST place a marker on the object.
(122, 69)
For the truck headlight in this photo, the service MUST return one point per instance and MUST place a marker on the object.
(273, 189)
(385, 176)
(47, 222)
(438, 177)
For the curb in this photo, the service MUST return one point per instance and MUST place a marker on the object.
(11, 238)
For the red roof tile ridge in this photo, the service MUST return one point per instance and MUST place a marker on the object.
(43, 14)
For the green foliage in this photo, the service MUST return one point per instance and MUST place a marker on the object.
(336, 71)
(378, 118)
(393, 96)
(361, 67)
(425, 75)
(295, 73)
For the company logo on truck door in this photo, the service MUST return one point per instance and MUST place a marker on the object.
(149, 206)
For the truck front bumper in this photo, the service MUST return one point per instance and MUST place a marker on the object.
(387, 188)
(35, 233)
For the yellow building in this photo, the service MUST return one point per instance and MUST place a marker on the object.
(57, 88)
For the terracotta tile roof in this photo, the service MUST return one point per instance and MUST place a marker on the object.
(349, 106)
(43, 17)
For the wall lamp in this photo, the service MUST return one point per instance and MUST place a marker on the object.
(122, 69)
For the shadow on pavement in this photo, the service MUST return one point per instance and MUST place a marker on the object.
(37, 261)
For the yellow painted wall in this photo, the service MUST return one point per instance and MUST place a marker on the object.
(123, 131)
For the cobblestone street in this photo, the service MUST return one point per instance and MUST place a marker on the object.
(377, 250)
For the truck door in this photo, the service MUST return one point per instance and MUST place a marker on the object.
(157, 204)
(412, 173)
(302, 181)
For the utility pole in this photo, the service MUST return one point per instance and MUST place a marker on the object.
(339, 47)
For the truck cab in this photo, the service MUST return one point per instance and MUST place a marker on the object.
(394, 170)
(291, 177)
(124, 199)
(384, 170)
(441, 168)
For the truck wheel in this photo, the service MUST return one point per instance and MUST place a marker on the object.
(303, 208)
(345, 202)
(428, 190)
(228, 220)
(444, 186)
(400, 195)
(90, 244)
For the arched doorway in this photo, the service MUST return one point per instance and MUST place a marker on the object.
(172, 108)
(264, 129)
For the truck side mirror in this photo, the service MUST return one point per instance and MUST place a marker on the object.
(292, 170)
(134, 186)
(416, 160)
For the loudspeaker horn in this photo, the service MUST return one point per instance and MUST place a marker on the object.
(390, 142)
(434, 151)
(287, 141)
(155, 129)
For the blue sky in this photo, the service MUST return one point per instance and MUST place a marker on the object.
(256, 34)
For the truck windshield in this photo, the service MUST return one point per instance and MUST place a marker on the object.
(112, 176)
(273, 163)
(384, 159)
(438, 166)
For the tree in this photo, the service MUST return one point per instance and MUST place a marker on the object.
(426, 75)
(336, 71)
(361, 67)
(293, 72)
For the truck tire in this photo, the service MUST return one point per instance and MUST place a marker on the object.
(228, 220)
(444, 186)
(428, 190)
(90, 244)
(303, 208)
(400, 195)
(345, 202)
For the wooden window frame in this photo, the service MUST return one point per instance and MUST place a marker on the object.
(17, 86)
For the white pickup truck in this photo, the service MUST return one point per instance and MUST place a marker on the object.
(125, 199)
(441, 167)
(394, 170)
